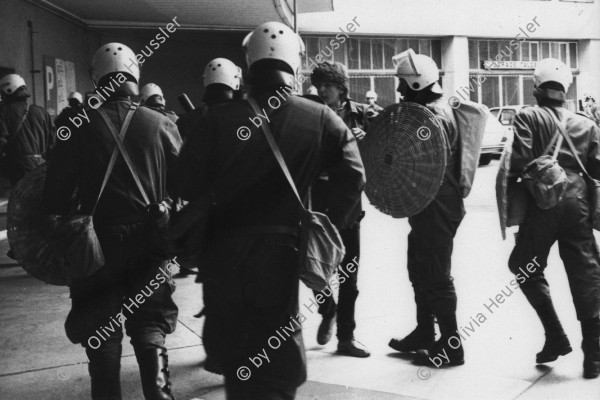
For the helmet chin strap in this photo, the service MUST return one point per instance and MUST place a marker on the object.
(549, 94)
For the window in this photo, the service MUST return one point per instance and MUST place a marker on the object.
(377, 48)
(490, 92)
(545, 49)
(353, 54)
(473, 56)
(573, 54)
(563, 53)
(385, 87)
(527, 51)
(484, 52)
(365, 54)
(359, 86)
(528, 90)
(554, 49)
(510, 90)
(389, 51)
(534, 46)
(325, 50)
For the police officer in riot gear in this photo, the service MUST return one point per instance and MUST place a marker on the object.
(26, 131)
(152, 97)
(75, 106)
(568, 222)
(134, 288)
(251, 287)
(431, 238)
(222, 81)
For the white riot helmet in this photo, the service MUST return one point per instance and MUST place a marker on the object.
(552, 70)
(371, 95)
(114, 57)
(10, 83)
(274, 40)
(149, 90)
(75, 95)
(221, 70)
(418, 70)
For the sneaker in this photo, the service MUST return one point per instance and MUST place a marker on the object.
(352, 348)
(414, 341)
(326, 329)
(553, 347)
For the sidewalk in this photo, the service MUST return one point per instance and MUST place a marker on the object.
(38, 362)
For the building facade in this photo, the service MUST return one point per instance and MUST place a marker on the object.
(486, 50)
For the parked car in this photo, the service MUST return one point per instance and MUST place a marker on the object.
(506, 114)
(494, 137)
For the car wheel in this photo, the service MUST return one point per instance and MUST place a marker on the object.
(485, 159)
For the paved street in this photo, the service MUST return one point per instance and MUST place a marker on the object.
(38, 362)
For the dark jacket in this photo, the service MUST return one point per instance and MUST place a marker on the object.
(188, 121)
(355, 115)
(26, 148)
(80, 162)
(63, 118)
(248, 185)
(167, 113)
(535, 127)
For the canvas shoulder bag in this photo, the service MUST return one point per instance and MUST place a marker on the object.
(75, 239)
(593, 185)
(544, 178)
(321, 249)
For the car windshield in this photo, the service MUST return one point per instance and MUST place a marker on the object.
(495, 112)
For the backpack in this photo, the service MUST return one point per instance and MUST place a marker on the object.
(544, 178)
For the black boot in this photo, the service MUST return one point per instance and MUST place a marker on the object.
(105, 370)
(448, 351)
(557, 343)
(154, 372)
(422, 337)
(591, 347)
(553, 347)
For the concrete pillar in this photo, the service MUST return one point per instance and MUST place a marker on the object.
(588, 80)
(455, 64)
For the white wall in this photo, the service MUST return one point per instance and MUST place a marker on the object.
(472, 18)
(589, 64)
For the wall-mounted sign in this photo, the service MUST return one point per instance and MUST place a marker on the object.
(59, 81)
(492, 64)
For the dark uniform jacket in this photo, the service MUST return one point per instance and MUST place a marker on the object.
(167, 113)
(354, 115)
(152, 142)
(24, 149)
(535, 128)
(66, 113)
(250, 188)
(189, 120)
